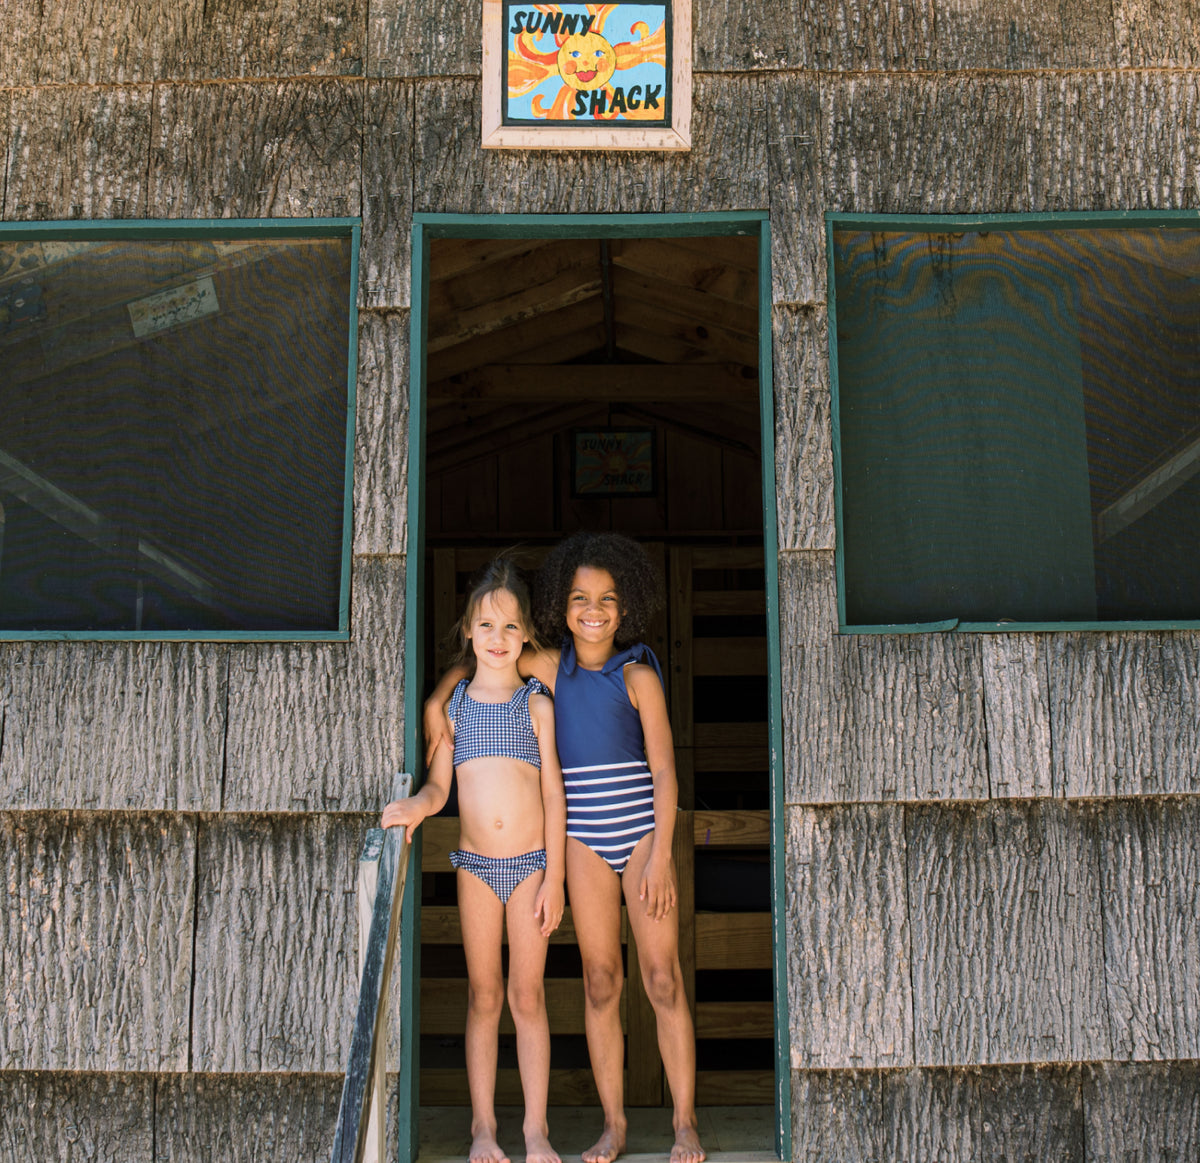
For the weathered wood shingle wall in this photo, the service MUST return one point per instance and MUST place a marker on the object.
(992, 841)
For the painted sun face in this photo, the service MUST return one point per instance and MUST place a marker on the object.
(586, 61)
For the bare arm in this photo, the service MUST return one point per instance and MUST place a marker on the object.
(436, 724)
(539, 664)
(658, 888)
(550, 899)
(430, 799)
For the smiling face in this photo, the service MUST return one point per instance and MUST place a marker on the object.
(586, 61)
(496, 631)
(593, 605)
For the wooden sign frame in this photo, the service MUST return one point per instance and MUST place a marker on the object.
(622, 135)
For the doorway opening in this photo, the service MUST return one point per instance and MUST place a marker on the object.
(607, 373)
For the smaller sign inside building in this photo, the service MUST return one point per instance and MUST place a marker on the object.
(587, 76)
(167, 309)
(613, 462)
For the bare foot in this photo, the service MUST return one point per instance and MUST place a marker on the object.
(538, 1149)
(485, 1149)
(687, 1147)
(607, 1147)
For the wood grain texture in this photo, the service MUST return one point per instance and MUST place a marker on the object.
(386, 252)
(849, 980)
(1016, 702)
(1121, 140)
(90, 42)
(803, 429)
(1007, 934)
(836, 1115)
(274, 38)
(70, 1118)
(1124, 714)
(115, 725)
(1021, 34)
(276, 933)
(726, 168)
(926, 143)
(212, 1118)
(1031, 1113)
(381, 439)
(796, 152)
(733, 36)
(1150, 877)
(1002, 1114)
(425, 40)
(452, 173)
(288, 149)
(860, 35)
(18, 45)
(78, 153)
(1161, 33)
(1136, 1111)
(320, 726)
(930, 1114)
(96, 940)
(873, 717)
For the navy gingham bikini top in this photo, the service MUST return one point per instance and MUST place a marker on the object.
(503, 729)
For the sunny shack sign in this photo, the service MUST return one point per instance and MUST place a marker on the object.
(587, 76)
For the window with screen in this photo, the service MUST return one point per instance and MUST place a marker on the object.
(176, 407)
(1017, 412)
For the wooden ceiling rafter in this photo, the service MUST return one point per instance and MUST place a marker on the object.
(459, 256)
(497, 347)
(520, 430)
(716, 343)
(704, 308)
(616, 383)
(516, 275)
(572, 286)
(659, 259)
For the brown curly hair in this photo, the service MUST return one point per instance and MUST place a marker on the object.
(639, 584)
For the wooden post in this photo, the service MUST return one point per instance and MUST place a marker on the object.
(368, 881)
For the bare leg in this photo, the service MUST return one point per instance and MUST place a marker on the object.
(595, 892)
(527, 1002)
(658, 956)
(482, 917)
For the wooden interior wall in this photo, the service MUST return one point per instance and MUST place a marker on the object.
(959, 809)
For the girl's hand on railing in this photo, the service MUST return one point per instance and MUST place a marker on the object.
(403, 813)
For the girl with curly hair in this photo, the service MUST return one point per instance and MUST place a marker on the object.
(595, 594)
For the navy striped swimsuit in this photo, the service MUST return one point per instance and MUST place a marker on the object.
(610, 792)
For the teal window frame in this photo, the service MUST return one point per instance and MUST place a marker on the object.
(950, 223)
(224, 228)
(427, 227)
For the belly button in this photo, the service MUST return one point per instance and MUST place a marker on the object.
(499, 823)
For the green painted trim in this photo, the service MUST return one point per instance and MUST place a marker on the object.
(954, 626)
(835, 415)
(590, 225)
(777, 776)
(225, 228)
(351, 427)
(931, 223)
(408, 1086)
(425, 228)
(1061, 220)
